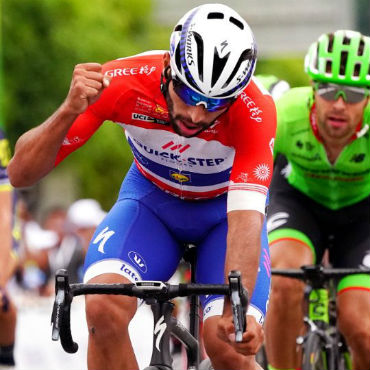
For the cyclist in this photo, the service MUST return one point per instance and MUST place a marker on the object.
(201, 133)
(7, 259)
(320, 192)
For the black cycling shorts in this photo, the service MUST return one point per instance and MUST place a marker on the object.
(344, 232)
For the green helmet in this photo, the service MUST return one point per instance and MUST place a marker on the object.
(341, 57)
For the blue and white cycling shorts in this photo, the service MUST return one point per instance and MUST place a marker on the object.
(143, 237)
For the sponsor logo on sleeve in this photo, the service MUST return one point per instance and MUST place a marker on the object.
(131, 71)
(254, 111)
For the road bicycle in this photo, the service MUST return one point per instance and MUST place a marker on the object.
(158, 295)
(323, 346)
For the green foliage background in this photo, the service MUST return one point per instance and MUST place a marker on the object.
(42, 42)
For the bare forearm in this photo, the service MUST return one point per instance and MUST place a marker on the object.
(36, 150)
(244, 245)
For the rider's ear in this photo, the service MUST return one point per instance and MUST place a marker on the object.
(166, 59)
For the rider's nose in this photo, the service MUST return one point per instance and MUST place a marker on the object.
(198, 113)
(340, 103)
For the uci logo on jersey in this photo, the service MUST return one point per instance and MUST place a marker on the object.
(179, 177)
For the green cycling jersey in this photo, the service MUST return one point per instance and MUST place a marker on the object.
(337, 185)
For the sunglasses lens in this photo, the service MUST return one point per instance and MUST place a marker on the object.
(332, 92)
(355, 96)
(191, 97)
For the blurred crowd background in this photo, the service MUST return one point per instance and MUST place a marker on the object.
(41, 41)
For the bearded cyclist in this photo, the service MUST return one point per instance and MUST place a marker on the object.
(201, 132)
(320, 193)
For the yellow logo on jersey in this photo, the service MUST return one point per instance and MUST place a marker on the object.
(180, 177)
(161, 110)
(4, 153)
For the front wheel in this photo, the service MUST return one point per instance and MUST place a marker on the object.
(314, 356)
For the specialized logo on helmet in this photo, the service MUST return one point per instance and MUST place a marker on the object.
(223, 45)
(189, 54)
(213, 51)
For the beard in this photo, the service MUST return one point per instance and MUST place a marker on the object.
(178, 122)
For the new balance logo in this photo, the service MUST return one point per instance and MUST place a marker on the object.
(102, 238)
(172, 146)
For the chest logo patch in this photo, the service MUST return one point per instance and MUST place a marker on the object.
(180, 177)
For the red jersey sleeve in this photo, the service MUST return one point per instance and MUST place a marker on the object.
(253, 124)
(82, 129)
(88, 122)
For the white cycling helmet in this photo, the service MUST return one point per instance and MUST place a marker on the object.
(213, 51)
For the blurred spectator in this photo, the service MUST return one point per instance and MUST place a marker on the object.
(68, 252)
(34, 250)
(74, 228)
(7, 261)
(83, 217)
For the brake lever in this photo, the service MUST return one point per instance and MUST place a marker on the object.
(239, 302)
(60, 317)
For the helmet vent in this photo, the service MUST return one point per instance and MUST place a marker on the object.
(200, 47)
(330, 44)
(356, 72)
(218, 66)
(215, 15)
(346, 40)
(316, 59)
(178, 58)
(237, 23)
(361, 48)
(328, 68)
(246, 55)
(178, 28)
(343, 62)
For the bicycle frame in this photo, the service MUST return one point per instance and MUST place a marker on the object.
(317, 315)
(317, 320)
